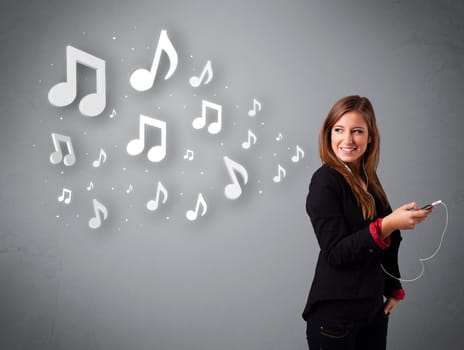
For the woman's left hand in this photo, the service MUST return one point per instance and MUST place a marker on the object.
(390, 305)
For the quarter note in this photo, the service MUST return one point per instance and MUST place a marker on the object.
(247, 144)
(279, 137)
(200, 122)
(57, 156)
(152, 205)
(256, 107)
(234, 190)
(136, 146)
(101, 159)
(63, 94)
(207, 71)
(95, 222)
(193, 214)
(299, 154)
(65, 196)
(129, 189)
(281, 173)
(143, 79)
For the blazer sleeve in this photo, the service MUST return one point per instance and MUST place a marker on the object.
(390, 264)
(324, 205)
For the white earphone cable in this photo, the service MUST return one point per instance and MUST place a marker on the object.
(423, 259)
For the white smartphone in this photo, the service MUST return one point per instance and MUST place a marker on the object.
(430, 205)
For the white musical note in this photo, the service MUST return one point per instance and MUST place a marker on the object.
(65, 196)
(200, 122)
(281, 173)
(57, 156)
(189, 154)
(62, 94)
(152, 205)
(113, 113)
(95, 222)
(256, 106)
(90, 186)
(299, 154)
(101, 159)
(143, 79)
(193, 214)
(247, 144)
(279, 137)
(234, 190)
(129, 189)
(136, 146)
(196, 81)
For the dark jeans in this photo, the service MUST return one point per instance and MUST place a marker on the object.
(355, 335)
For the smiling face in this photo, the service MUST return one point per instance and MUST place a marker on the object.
(350, 138)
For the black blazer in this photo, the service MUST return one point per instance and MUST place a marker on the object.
(348, 266)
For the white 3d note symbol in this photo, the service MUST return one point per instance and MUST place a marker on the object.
(251, 136)
(193, 214)
(57, 156)
(65, 196)
(299, 155)
(136, 146)
(152, 205)
(101, 158)
(256, 107)
(200, 122)
(281, 173)
(207, 71)
(143, 79)
(62, 94)
(234, 190)
(95, 222)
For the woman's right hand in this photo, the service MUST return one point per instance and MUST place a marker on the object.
(405, 217)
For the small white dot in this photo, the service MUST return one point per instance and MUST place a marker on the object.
(114, 38)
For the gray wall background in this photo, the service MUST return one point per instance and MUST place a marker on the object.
(238, 277)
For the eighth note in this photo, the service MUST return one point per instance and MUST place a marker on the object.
(299, 154)
(90, 186)
(193, 214)
(247, 144)
(256, 106)
(136, 146)
(143, 79)
(234, 190)
(65, 196)
(196, 81)
(279, 137)
(63, 94)
(200, 122)
(57, 156)
(188, 155)
(281, 173)
(129, 189)
(101, 159)
(152, 205)
(95, 222)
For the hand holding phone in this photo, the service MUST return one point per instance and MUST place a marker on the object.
(430, 205)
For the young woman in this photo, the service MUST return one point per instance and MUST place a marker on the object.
(357, 232)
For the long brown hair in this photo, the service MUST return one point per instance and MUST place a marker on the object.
(370, 158)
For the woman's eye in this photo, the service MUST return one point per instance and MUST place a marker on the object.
(358, 131)
(337, 129)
